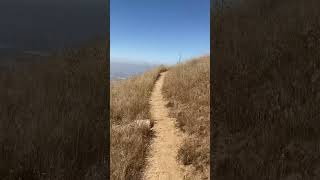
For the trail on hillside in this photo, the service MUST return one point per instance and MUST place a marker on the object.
(161, 162)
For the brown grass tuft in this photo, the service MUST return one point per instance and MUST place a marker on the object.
(266, 90)
(52, 117)
(130, 102)
(186, 86)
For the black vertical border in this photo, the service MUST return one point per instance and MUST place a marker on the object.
(107, 90)
(212, 161)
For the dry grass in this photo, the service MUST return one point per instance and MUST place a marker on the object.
(52, 117)
(266, 90)
(186, 86)
(129, 102)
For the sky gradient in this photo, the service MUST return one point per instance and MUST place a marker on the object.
(157, 31)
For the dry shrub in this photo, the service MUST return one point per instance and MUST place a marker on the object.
(129, 102)
(130, 97)
(53, 115)
(186, 86)
(266, 90)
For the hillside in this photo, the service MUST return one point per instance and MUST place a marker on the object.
(266, 90)
(177, 100)
(129, 101)
(52, 118)
(187, 88)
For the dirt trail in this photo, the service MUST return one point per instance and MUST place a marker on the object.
(161, 162)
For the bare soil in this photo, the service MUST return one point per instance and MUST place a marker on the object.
(162, 160)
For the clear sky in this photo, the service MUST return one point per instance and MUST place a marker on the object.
(157, 31)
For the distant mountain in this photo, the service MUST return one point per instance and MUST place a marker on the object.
(122, 70)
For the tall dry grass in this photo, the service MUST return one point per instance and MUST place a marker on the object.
(266, 90)
(187, 87)
(130, 101)
(52, 117)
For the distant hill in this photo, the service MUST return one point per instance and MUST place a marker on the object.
(122, 70)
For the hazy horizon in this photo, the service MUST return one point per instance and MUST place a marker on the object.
(130, 61)
(123, 70)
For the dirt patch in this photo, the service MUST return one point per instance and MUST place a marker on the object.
(162, 160)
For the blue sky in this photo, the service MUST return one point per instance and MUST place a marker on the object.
(157, 31)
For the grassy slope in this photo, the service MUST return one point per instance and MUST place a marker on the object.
(186, 86)
(266, 90)
(129, 102)
(52, 117)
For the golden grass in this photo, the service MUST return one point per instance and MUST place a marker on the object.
(187, 87)
(129, 102)
(52, 117)
(266, 90)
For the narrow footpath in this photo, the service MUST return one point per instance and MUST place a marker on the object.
(162, 163)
